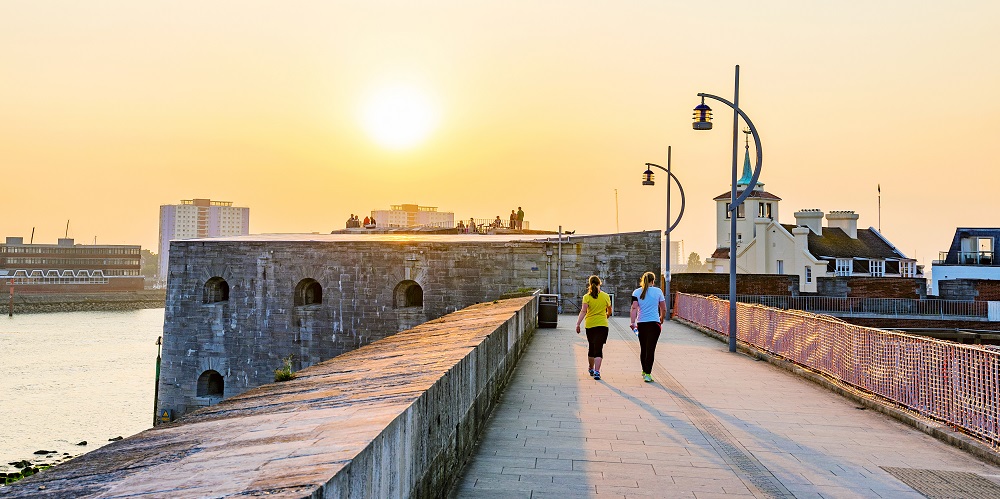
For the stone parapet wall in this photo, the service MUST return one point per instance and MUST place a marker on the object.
(245, 338)
(80, 302)
(396, 418)
(969, 289)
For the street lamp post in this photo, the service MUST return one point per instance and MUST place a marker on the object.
(703, 121)
(647, 179)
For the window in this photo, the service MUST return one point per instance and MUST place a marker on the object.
(216, 290)
(876, 268)
(408, 294)
(845, 266)
(210, 384)
(781, 266)
(764, 210)
(741, 211)
(809, 274)
(308, 292)
(908, 269)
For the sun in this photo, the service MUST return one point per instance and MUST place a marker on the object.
(399, 116)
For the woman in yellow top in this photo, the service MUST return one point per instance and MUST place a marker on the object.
(596, 309)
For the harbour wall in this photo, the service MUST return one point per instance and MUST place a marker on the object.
(27, 303)
(396, 418)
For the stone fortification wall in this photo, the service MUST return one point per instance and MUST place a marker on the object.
(396, 418)
(969, 289)
(368, 288)
(79, 302)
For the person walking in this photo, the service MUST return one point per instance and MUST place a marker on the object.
(594, 313)
(649, 309)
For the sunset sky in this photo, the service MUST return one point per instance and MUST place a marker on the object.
(110, 108)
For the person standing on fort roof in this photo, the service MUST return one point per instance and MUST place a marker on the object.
(649, 309)
(520, 219)
(595, 311)
(513, 220)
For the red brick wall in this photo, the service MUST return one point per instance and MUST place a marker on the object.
(873, 287)
(890, 323)
(987, 290)
(746, 284)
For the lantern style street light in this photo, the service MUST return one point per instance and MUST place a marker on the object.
(703, 121)
(647, 179)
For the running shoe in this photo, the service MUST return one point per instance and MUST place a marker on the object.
(590, 371)
(646, 377)
(597, 375)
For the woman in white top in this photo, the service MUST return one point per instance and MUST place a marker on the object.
(649, 309)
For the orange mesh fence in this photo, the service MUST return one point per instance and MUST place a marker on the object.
(955, 383)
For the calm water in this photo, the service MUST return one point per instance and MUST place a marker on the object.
(67, 377)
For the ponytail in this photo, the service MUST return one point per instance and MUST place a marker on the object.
(594, 286)
(647, 279)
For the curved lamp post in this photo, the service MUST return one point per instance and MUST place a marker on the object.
(647, 179)
(703, 121)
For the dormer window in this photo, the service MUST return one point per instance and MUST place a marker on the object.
(876, 268)
(845, 266)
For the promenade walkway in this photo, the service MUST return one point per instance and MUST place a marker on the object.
(714, 424)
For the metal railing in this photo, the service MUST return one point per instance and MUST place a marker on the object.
(486, 225)
(881, 307)
(955, 383)
(983, 258)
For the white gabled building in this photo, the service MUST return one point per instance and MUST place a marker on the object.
(807, 248)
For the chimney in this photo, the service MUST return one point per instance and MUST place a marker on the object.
(811, 218)
(844, 220)
(801, 235)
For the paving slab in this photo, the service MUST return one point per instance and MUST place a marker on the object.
(714, 424)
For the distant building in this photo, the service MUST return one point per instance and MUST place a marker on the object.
(807, 249)
(66, 267)
(411, 215)
(199, 218)
(972, 256)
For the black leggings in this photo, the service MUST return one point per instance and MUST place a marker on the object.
(649, 333)
(597, 336)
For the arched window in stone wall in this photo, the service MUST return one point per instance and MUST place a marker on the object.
(408, 294)
(216, 290)
(308, 292)
(210, 384)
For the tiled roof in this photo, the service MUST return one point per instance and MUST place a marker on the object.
(721, 253)
(836, 243)
(755, 195)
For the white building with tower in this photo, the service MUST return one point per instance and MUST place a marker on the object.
(806, 248)
(411, 215)
(198, 218)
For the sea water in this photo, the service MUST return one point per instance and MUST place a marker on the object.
(75, 376)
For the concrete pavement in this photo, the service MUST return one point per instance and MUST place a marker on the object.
(714, 424)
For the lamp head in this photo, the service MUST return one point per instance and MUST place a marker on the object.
(702, 116)
(647, 177)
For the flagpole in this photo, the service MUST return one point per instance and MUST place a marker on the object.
(880, 208)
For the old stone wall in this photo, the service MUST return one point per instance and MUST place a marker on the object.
(969, 289)
(396, 418)
(746, 284)
(367, 288)
(872, 287)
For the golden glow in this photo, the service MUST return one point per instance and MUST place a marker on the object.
(398, 116)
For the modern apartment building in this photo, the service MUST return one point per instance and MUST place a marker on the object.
(66, 267)
(194, 218)
(411, 215)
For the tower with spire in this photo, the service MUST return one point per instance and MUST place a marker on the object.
(758, 210)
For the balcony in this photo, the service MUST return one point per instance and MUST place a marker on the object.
(968, 258)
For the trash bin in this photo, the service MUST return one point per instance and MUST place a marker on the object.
(548, 310)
